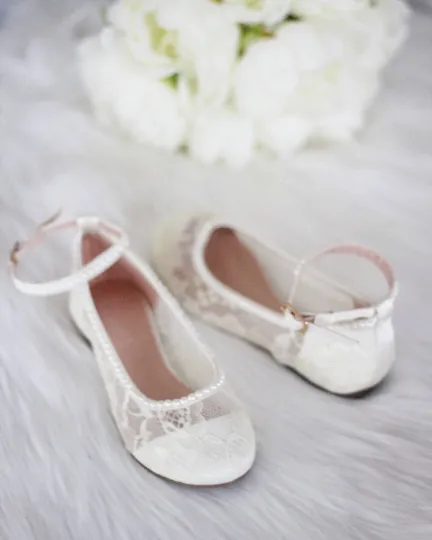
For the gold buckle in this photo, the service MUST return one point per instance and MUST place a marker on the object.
(288, 308)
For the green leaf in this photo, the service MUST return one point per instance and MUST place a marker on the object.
(249, 34)
(162, 41)
(172, 80)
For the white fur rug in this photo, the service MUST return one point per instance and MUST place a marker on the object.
(327, 468)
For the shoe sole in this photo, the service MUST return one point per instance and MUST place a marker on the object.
(350, 395)
(184, 484)
(358, 394)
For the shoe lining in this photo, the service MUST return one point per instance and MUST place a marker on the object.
(126, 303)
(256, 272)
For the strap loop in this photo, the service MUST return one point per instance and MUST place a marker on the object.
(86, 273)
(327, 319)
(348, 249)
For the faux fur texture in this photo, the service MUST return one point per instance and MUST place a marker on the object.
(327, 468)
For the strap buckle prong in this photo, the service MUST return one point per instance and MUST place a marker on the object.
(289, 308)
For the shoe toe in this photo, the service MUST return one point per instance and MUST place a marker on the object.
(213, 452)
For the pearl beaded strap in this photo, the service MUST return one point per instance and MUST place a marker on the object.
(94, 268)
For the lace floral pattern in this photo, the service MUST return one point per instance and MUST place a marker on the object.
(203, 436)
(212, 448)
(197, 443)
(333, 354)
(202, 300)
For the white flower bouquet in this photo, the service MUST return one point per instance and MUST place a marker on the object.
(221, 78)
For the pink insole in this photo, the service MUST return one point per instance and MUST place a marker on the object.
(126, 314)
(232, 263)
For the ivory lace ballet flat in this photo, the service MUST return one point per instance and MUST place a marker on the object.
(169, 399)
(336, 340)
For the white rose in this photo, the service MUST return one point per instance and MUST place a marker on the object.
(376, 32)
(333, 100)
(194, 38)
(337, 65)
(350, 94)
(277, 83)
(273, 70)
(327, 8)
(284, 135)
(371, 33)
(267, 12)
(313, 45)
(222, 135)
(265, 79)
(124, 95)
(148, 43)
(207, 45)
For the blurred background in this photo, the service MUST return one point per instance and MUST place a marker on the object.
(327, 468)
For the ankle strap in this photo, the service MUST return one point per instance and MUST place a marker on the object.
(348, 249)
(94, 268)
